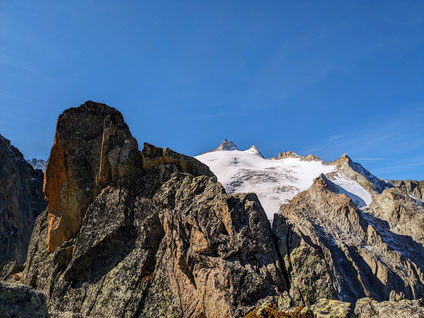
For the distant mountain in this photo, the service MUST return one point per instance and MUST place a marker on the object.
(227, 145)
(37, 163)
(278, 180)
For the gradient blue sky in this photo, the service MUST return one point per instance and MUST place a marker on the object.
(322, 77)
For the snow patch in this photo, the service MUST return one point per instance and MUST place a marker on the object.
(353, 189)
(416, 200)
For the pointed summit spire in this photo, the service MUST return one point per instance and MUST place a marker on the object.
(227, 145)
(255, 150)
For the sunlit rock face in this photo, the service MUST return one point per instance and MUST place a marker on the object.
(92, 148)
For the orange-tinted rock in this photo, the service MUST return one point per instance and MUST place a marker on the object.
(92, 143)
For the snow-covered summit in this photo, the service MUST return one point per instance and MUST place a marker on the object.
(227, 145)
(255, 150)
(277, 181)
(37, 163)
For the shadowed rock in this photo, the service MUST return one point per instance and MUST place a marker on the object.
(21, 201)
(17, 300)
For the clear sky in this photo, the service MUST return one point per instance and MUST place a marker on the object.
(322, 77)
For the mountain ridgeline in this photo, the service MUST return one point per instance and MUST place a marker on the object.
(21, 201)
(154, 233)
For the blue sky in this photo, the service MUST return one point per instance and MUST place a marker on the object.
(322, 77)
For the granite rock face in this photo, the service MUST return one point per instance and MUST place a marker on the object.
(21, 201)
(92, 147)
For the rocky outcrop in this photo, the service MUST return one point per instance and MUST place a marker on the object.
(287, 154)
(369, 308)
(21, 201)
(413, 188)
(403, 214)
(325, 308)
(333, 250)
(356, 172)
(157, 238)
(92, 147)
(226, 145)
(17, 300)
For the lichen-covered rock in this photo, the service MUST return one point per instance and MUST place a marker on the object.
(17, 300)
(369, 308)
(21, 201)
(327, 308)
(92, 148)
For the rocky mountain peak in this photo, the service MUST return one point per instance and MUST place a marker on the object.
(37, 163)
(93, 147)
(287, 154)
(255, 150)
(345, 158)
(321, 182)
(227, 145)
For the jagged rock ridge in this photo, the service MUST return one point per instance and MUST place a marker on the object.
(226, 145)
(21, 201)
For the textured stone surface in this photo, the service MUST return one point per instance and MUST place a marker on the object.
(20, 301)
(412, 187)
(333, 250)
(11, 271)
(325, 308)
(92, 147)
(369, 308)
(21, 201)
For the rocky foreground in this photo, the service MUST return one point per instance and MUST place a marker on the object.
(151, 233)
